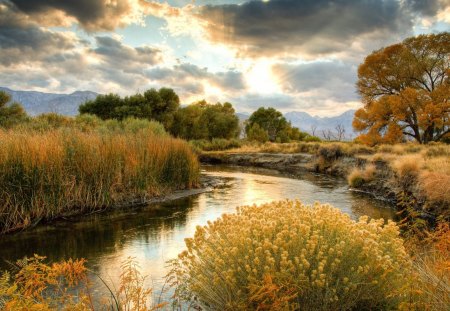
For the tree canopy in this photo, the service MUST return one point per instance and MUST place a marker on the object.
(272, 122)
(152, 104)
(10, 114)
(202, 120)
(405, 89)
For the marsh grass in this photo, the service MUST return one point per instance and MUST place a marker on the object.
(67, 171)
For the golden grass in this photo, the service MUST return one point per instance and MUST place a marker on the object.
(67, 171)
(285, 255)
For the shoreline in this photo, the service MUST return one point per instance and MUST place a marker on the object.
(206, 184)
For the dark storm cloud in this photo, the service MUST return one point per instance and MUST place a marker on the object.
(92, 15)
(188, 73)
(22, 41)
(309, 26)
(425, 7)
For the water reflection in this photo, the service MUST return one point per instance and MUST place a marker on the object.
(156, 233)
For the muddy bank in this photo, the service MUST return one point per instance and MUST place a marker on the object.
(278, 161)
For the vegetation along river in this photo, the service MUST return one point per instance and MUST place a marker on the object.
(156, 233)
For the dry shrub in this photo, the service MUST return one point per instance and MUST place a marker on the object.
(382, 157)
(407, 169)
(358, 177)
(436, 189)
(285, 255)
(355, 179)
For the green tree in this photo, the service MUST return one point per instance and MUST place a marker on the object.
(103, 106)
(270, 120)
(256, 133)
(187, 123)
(220, 120)
(206, 121)
(12, 114)
(152, 105)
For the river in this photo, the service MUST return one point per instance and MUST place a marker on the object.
(156, 233)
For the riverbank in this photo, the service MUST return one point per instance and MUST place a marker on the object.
(413, 177)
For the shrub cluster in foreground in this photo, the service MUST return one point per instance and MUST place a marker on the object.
(285, 255)
(68, 171)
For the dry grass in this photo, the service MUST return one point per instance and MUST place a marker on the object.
(358, 177)
(66, 171)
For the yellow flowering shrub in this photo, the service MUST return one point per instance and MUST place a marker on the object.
(286, 255)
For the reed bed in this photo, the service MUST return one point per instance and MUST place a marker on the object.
(67, 171)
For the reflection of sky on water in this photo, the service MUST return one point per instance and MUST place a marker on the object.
(156, 234)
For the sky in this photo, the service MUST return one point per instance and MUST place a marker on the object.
(294, 55)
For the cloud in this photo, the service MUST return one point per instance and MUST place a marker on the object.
(25, 41)
(92, 15)
(292, 27)
(332, 79)
(193, 78)
(129, 59)
(425, 7)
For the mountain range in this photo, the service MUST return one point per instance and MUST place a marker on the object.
(67, 104)
(38, 102)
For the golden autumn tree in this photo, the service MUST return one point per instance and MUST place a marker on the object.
(405, 89)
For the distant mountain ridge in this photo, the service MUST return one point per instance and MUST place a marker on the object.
(38, 102)
(323, 125)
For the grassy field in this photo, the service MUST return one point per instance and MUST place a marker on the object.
(68, 170)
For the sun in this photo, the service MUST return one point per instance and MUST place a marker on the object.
(260, 78)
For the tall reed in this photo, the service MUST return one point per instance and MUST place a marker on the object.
(65, 171)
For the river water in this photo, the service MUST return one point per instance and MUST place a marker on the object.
(156, 233)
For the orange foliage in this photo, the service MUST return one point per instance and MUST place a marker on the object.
(406, 91)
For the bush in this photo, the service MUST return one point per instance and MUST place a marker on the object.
(285, 255)
(257, 133)
(355, 178)
(407, 170)
(330, 152)
(358, 177)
